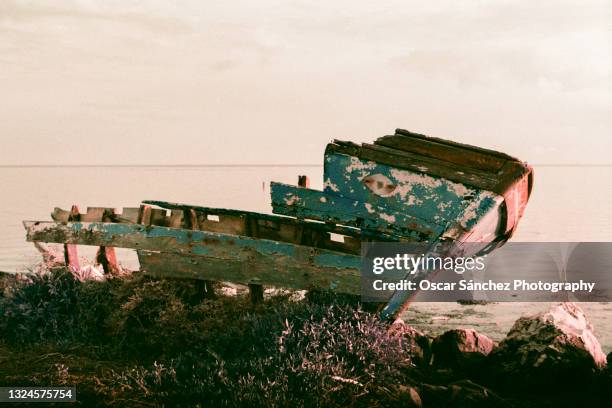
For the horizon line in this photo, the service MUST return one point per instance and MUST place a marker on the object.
(220, 165)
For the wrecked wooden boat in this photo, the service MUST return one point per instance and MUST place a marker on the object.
(404, 187)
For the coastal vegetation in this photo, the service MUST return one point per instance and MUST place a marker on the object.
(138, 341)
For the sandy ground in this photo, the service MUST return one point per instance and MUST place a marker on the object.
(496, 319)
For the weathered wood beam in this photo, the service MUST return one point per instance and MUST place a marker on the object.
(208, 255)
(192, 222)
(256, 292)
(71, 254)
(280, 228)
(258, 269)
(313, 204)
(128, 214)
(144, 215)
(416, 163)
(106, 255)
(240, 214)
(108, 259)
(442, 150)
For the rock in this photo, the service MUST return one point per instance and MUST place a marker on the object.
(409, 396)
(463, 393)
(550, 348)
(419, 343)
(461, 349)
(434, 395)
(466, 393)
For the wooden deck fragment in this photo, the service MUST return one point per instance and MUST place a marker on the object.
(285, 229)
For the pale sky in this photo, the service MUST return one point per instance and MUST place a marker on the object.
(271, 82)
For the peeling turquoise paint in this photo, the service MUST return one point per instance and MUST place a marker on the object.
(267, 247)
(418, 195)
(430, 200)
(306, 203)
(203, 243)
(486, 204)
(338, 260)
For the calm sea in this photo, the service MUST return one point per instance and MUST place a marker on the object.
(568, 203)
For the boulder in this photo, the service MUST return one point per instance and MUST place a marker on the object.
(461, 349)
(555, 347)
(462, 393)
(409, 396)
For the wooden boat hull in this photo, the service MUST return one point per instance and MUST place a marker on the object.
(404, 187)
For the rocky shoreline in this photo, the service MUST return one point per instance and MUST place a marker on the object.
(550, 354)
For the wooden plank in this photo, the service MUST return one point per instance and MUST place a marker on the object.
(431, 199)
(256, 291)
(262, 218)
(108, 259)
(228, 224)
(93, 214)
(439, 168)
(158, 217)
(286, 229)
(176, 219)
(405, 160)
(489, 152)
(109, 215)
(71, 255)
(106, 255)
(144, 215)
(263, 269)
(129, 214)
(295, 201)
(209, 256)
(184, 242)
(459, 155)
(496, 181)
(192, 221)
(60, 215)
